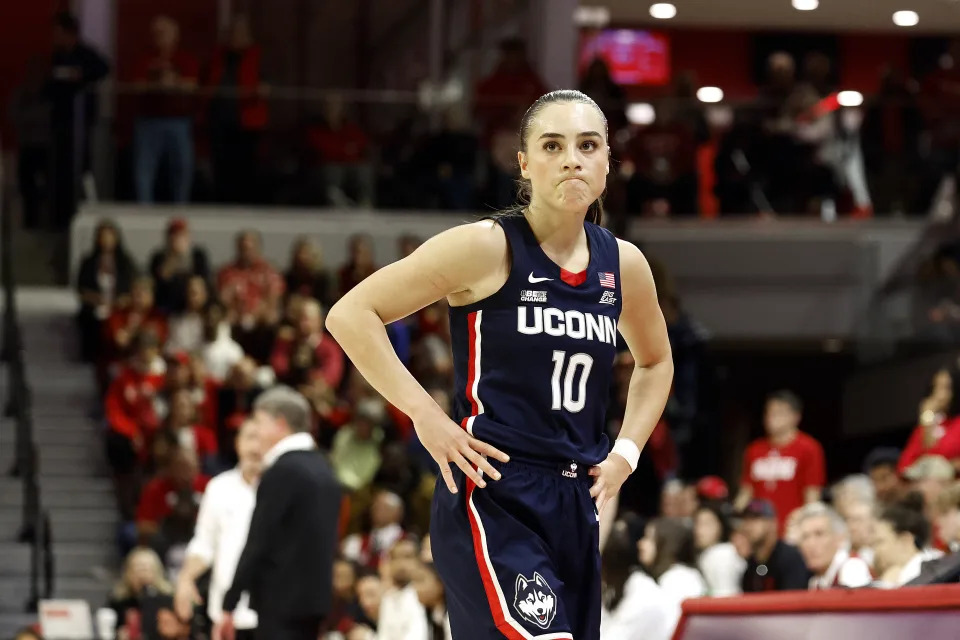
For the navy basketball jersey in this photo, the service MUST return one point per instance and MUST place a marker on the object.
(533, 362)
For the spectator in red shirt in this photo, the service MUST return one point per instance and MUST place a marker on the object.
(238, 113)
(124, 324)
(131, 416)
(342, 149)
(185, 429)
(170, 501)
(938, 430)
(787, 466)
(250, 287)
(306, 358)
(163, 131)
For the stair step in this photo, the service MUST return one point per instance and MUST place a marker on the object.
(15, 590)
(103, 499)
(47, 483)
(69, 525)
(71, 560)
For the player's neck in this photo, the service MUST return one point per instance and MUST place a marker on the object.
(556, 230)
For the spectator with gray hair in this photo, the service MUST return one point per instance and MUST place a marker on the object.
(855, 499)
(823, 534)
(287, 562)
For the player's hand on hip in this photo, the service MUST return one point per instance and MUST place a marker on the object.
(448, 444)
(608, 476)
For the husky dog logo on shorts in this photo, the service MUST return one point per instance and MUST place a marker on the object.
(535, 600)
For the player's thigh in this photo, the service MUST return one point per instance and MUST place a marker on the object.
(499, 575)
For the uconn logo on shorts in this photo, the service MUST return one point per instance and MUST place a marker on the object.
(535, 600)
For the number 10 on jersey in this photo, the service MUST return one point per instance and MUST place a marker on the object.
(573, 395)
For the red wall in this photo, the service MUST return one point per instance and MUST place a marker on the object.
(724, 58)
(24, 33)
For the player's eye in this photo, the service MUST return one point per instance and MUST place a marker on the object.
(588, 145)
(551, 146)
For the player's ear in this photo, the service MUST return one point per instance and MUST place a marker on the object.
(522, 161)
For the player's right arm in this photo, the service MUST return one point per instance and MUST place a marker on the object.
(464, 264)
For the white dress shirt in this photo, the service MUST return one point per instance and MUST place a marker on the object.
(220, 535)
(645, 612)
(722, 568)
(682, 582)
(843, 571)
(300, 441)
(402, 617)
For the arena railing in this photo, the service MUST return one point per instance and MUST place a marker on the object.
(35, 523)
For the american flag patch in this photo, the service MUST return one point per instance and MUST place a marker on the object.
(606, 280)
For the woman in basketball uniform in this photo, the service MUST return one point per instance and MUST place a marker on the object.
(538, 297)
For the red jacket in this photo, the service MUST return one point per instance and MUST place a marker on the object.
(129, 403)
(253, 108)
(326, 360)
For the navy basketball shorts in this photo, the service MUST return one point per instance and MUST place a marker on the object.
(520, 558)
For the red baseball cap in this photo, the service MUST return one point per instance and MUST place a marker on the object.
(713, 488)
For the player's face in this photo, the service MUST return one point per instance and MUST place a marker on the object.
(567, 158)
(706, 529)
(818, 543)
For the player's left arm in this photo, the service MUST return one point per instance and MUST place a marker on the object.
(645, 332)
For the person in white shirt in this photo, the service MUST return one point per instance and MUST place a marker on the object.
(368, 550)
(855, 499)
(900, 542)
(220, 535)
(823, 544)
(434, 600)
(635, 607)
(220, 351)
(187, 327)
(667, 554)
(402, 617)
(722, 567)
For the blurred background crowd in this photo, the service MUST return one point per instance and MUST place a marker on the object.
(745, 486)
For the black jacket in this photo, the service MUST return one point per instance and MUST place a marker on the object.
(784, 570)
(287, 563)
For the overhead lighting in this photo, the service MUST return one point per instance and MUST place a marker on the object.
(663, 10)
(906, 18)
(641, 113)
(710, 94)
(806, 5)
(850, 98)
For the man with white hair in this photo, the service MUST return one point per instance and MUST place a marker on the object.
(823, 534)
(855, 500)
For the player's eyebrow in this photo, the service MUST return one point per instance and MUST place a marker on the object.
(584, 134)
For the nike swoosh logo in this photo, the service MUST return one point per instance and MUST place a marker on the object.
(534, 280)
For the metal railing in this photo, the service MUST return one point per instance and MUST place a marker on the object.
(35, 524)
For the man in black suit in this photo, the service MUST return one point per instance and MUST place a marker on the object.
(287, 563)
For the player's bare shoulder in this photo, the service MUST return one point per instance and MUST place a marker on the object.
(635, 273)
(479, 254)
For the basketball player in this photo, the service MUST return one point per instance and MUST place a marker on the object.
(537, 297)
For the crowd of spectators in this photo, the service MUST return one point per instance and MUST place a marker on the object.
(182, 350)
(197, 126)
